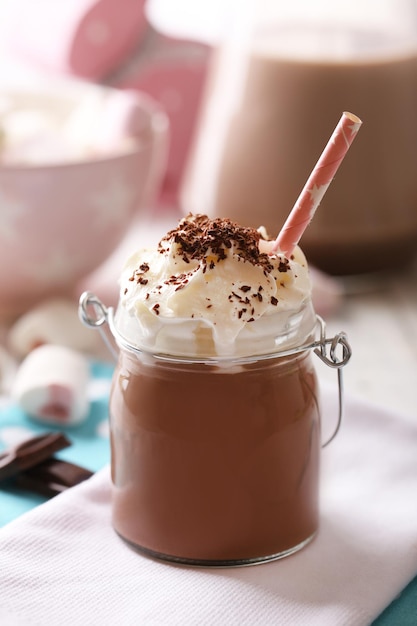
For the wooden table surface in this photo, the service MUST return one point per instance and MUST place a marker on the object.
(380, 319)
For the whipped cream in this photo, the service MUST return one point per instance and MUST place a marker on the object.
(211, 288)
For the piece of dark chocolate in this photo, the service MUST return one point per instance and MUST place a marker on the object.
(30, 453)
(51, 477)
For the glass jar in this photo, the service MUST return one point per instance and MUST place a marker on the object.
(215, 461)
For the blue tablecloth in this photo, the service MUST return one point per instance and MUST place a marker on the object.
(90, 448)
(90, 443)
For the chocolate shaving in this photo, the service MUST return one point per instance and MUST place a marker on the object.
(198, 236)
(284, 266)
(138, 274)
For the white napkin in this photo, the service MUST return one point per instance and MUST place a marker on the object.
(63, 564)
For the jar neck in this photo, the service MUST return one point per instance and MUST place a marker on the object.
(139, 363)
(297, 330)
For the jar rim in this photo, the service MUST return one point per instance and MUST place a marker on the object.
(199, 339)
(94, 314)
(125, 344)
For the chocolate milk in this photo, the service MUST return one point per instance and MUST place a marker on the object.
(263, 129)
(215, 465)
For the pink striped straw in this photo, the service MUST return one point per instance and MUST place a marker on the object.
(317, 184)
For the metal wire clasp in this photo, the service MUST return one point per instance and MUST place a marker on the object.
(336, 343)
(94, 313)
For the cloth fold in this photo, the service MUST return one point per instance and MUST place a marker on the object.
(63, 564)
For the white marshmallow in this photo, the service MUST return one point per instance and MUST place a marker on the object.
(51, 385)
(56, 322)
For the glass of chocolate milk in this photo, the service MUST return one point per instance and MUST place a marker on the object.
(275, 89)
(215, 405)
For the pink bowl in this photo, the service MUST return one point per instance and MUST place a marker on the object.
(60, 221)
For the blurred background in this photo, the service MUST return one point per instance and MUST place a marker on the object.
(117, 116)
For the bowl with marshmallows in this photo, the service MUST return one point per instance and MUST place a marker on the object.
(78, 162)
